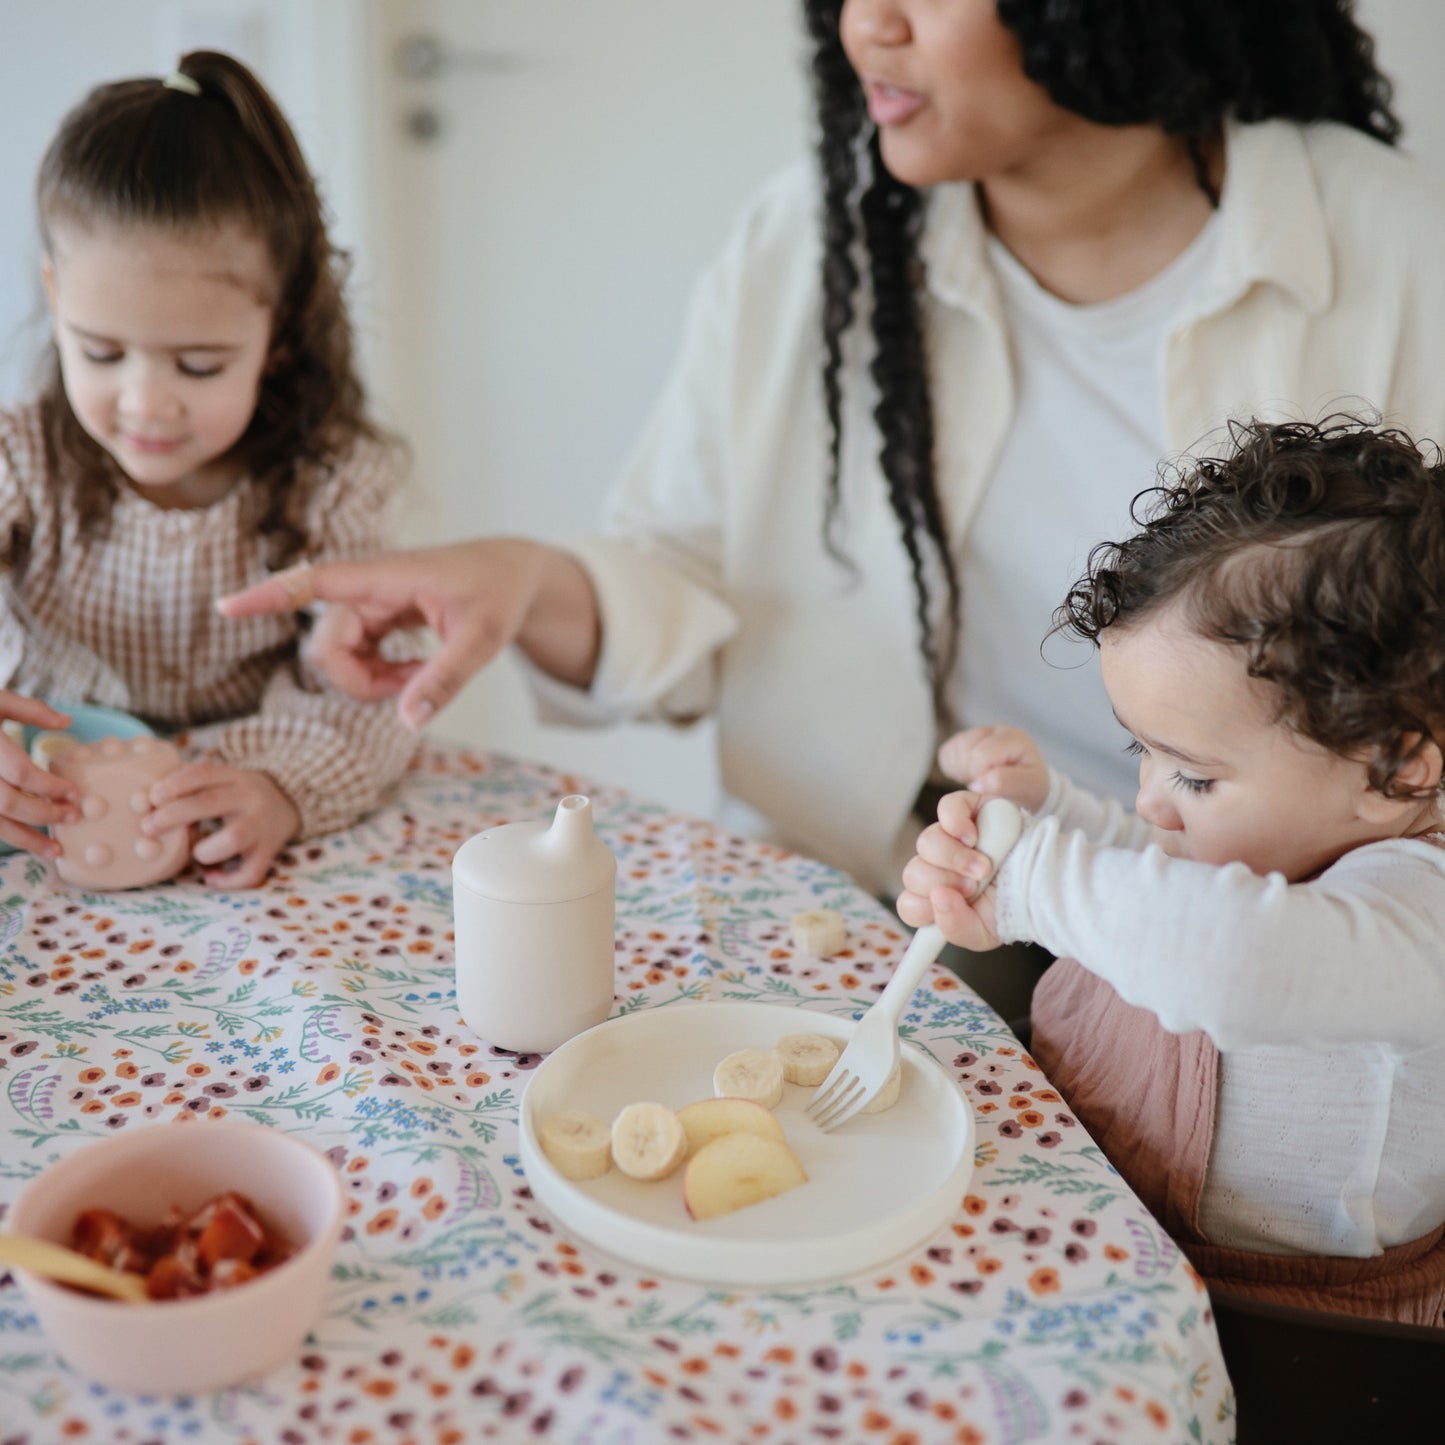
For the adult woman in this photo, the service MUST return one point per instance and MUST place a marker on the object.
(1083, 242)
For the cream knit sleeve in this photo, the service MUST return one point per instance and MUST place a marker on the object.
(22, 471)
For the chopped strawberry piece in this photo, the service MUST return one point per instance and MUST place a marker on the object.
(230, 1272)
(230, 1234)
(175, 1276)
(105, 1236)
(224, 1243)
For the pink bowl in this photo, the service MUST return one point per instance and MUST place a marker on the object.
(186, 1347)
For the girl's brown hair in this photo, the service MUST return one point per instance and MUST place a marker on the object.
(1317, 550)
(144, 153)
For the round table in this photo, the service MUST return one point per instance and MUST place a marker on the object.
(1050, 1307)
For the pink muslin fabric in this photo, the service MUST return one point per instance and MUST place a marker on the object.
(1148, 1098)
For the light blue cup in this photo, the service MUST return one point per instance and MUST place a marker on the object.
(88, 724)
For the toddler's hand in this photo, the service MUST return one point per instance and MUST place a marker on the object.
(257, 819)
(31, 798)
(941, 879)
(1002, 762)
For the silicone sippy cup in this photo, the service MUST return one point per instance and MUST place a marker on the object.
(534, 908)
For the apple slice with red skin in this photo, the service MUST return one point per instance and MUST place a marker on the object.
(708, 1119)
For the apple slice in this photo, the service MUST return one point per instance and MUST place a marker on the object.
(736, 1170)
(707, 1119)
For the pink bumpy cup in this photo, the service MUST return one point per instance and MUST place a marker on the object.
(105, 848)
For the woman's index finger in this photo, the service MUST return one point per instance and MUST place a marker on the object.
(296, 588)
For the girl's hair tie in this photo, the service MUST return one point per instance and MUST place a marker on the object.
(179, 80)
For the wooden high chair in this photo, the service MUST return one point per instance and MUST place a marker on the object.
(1311, 1376)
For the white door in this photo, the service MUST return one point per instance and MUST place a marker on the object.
(552, 175)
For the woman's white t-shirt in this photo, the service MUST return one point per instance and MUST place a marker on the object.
(1087, 436)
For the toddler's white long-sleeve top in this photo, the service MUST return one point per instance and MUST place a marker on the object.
(1326, 1000)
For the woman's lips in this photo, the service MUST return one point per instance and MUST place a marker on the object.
(890, 104)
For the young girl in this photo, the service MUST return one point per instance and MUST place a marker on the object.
(1248, 1012)
(201, 423)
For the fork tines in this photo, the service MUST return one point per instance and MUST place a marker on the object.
(832, 1104)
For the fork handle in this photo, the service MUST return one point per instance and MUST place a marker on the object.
(925, 946)
(999, 826)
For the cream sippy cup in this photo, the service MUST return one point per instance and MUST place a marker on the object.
(534, 908)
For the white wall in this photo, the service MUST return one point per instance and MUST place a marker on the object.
(1410, 45)
(310, 53)
(537, 252)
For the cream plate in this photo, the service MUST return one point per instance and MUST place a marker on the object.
(877, 1187)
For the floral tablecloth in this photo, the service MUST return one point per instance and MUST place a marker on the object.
(1052, 1307)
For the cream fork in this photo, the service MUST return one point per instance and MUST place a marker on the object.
(872, 1052)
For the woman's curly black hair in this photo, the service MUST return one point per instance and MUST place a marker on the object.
(140, 153)
(1317, 550)
(1184, 65)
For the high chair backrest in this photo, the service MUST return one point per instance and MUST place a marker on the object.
(1308, 1376)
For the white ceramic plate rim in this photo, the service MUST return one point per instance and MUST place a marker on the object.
(794, 1239)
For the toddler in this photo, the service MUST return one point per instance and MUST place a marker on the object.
(1248, 1011)
(201, 422)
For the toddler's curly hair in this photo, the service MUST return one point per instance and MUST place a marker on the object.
(1318, 550)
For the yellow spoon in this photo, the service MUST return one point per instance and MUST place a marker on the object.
(55, 1261)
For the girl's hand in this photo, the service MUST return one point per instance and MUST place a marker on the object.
(479, 597)
(257, 819)
(30, 797)
(1001, 762)
(940, 880)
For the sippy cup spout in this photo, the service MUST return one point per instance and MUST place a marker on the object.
(539, 860)
(571, 826)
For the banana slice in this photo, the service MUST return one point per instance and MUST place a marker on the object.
(807, 1058)
(13, 730)
(580, 1145)
(819, 932)
(755, 1074)
(887, 1096)
(648, 1141)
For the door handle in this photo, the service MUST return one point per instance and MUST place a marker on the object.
(428, 57)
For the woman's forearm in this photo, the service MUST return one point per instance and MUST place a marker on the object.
(562, 631)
